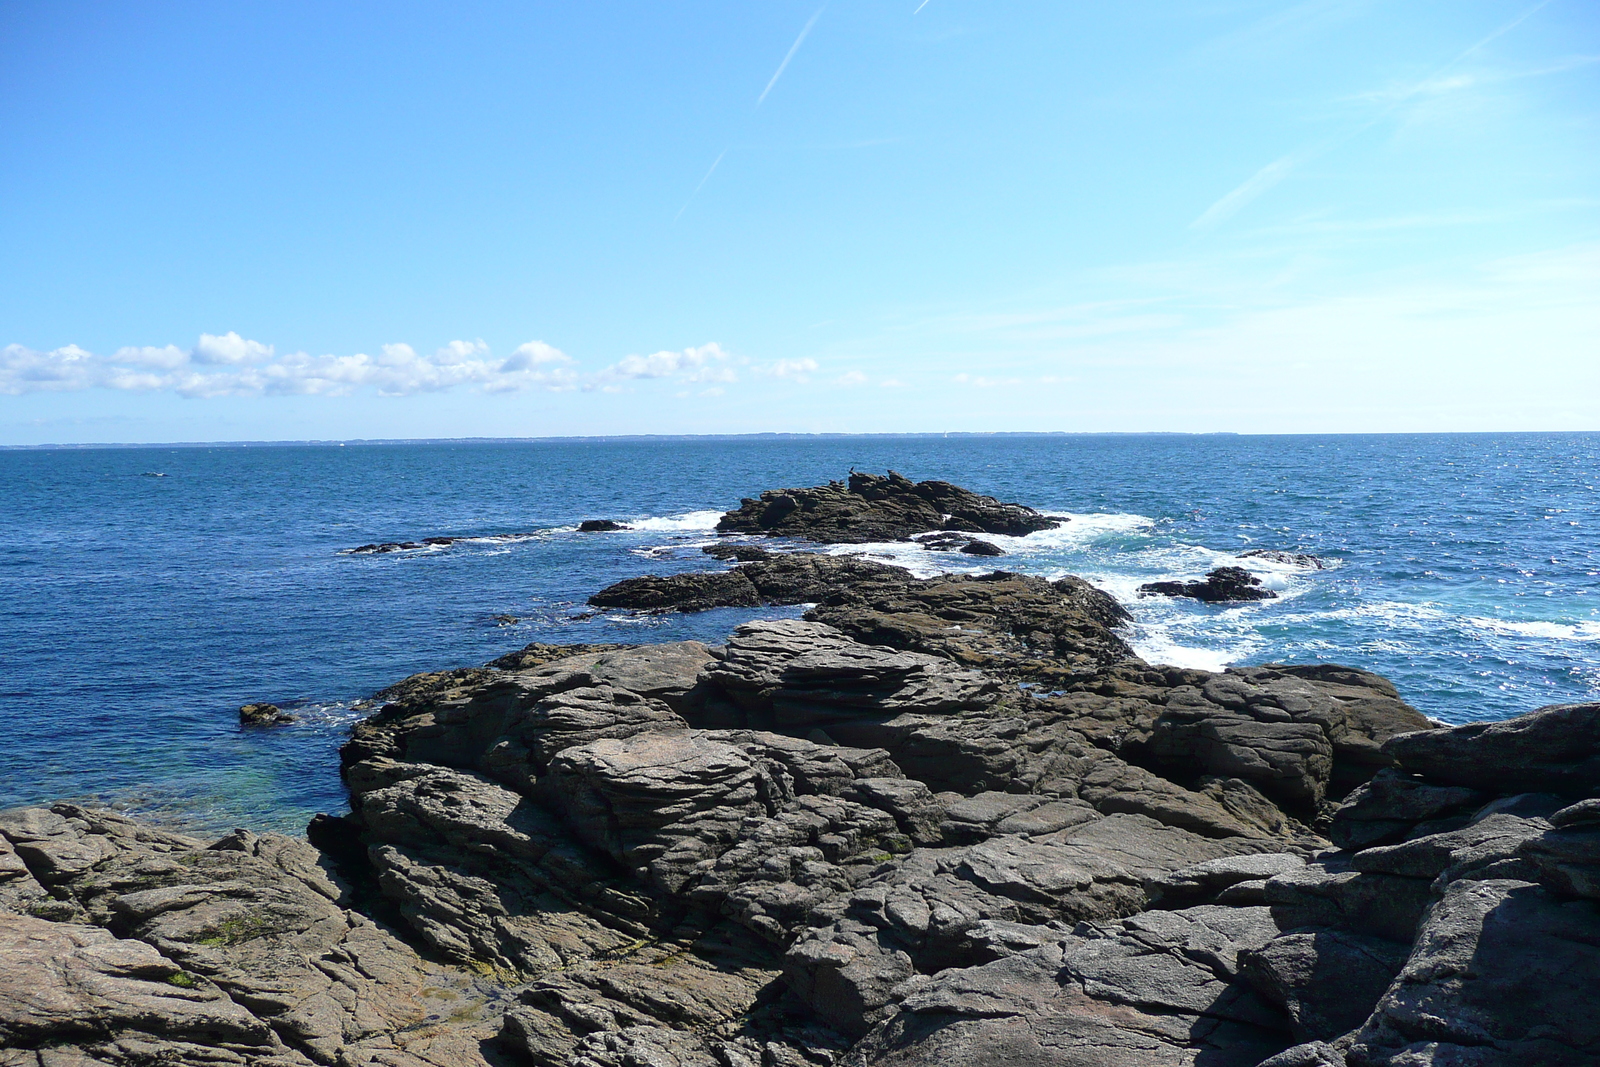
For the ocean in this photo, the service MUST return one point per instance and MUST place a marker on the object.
(146, 593)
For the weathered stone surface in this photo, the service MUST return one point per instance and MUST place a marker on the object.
(1501, 973)
(1554, 749)
(1485, 844)
(60, 981)
(795, 676)
(878, 508)
(1158, 989)
(1329, 892)
(1203, 882)
(237, 952)
(1384, 809)
(1326, 980)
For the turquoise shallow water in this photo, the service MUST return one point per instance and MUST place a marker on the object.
(138, 612)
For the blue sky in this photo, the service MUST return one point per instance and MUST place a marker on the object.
(290, 221)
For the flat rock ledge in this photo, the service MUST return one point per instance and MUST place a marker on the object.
(940, 822)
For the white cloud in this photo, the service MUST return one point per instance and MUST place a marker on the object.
(707, 363)
(230, 365)
(229, 348)
(853, 377)
(797, 370)
(530, 355)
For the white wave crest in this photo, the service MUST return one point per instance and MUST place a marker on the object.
(693, 522)
(1554, 631)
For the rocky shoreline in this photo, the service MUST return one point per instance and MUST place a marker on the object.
(944, 820)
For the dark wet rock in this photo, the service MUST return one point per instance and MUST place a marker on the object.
(741, 553)
(601, 526)
(264, 715)
(1298, 559)
(1221, 585)
(982, 548)
(1555, 749)
(878, 508)
(1501, 973)
(1326, 980)
(695, 591)
(386, 546)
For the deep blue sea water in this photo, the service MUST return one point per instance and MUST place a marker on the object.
(138, 612)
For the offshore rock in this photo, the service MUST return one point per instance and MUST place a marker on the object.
(879, 508)
(264, 715)
(1222, 584)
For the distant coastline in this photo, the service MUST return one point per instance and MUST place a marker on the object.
(766, 436)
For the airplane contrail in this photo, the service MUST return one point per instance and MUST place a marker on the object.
(921, 6)
(702, 185)
(1279, 169)
(798, 41)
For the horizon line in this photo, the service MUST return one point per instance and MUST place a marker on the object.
(332, 442)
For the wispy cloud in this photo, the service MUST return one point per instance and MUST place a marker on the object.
(798, 41)
(1440, 80)
(1253, 186)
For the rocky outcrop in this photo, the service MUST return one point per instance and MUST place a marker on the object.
(601, 526)
(1221, 585)
(951, 820)
(872, 507)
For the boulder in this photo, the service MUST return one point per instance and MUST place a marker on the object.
(601, 526)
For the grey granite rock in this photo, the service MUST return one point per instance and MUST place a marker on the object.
(1501, 973)
(1555, 749)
